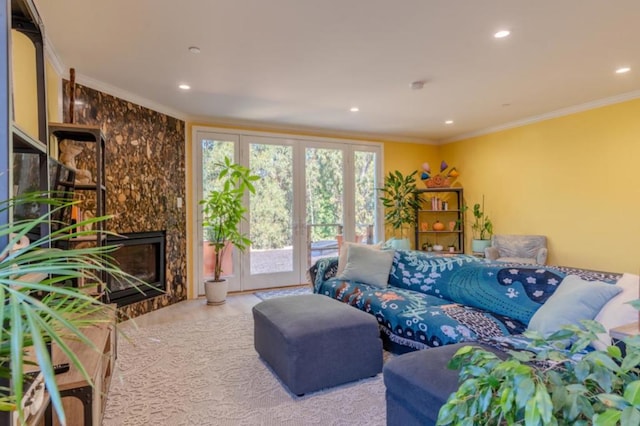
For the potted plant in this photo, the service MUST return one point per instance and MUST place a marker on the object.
(39, 303)
(548, 386)
(401, 201)
(223, 210)
(482, 229)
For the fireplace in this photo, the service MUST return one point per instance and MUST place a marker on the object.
(141, 254)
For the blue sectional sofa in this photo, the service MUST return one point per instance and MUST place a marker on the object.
(435, 300)
(439, 302)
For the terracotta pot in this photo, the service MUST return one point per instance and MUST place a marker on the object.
(438, 226)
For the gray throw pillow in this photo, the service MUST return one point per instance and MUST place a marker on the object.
(575, 299)
(367, 265)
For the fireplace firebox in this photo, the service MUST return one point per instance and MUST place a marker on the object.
(141, 254)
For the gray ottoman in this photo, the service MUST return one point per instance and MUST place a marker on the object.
(313, 342)
(419, 383)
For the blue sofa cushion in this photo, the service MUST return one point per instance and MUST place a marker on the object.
(418, 320)
(427, 273)
(516, 292)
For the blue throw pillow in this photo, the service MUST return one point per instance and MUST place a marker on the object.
(574, 300)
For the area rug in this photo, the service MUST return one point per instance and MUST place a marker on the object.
(208, 373)
(270, 294)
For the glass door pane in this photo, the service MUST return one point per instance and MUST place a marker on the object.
(274, 253)
(324, 179)
(365, 196)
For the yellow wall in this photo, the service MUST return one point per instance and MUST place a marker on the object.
(575, 179)
(408, 157)
(25, 97)
(25, 94)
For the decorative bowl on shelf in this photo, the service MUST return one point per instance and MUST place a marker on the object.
(438, 247)
(437, 181)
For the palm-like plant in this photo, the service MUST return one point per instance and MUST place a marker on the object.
(39, 304)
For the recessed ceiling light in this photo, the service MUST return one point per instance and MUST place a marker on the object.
(502, 34)
(194, 49)
(354, 109)
(448, 122)
(623, 70)
(184, 87)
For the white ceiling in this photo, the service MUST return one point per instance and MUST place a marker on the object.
(304, 63)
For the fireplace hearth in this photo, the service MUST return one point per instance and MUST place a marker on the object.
(141, 254)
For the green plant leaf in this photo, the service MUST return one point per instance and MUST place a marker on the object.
(524, 392)
(630, 361)
(608, 418)
(531, 413)
(630, 416)
(543, 402)
(613, 401)
(632, 393)
(614, 352)
(601, 358)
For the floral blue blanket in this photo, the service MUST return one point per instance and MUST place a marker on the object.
(439, 300)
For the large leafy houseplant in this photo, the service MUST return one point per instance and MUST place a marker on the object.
(548, 386)
(40, 305)
(223, 210)
(400, 200)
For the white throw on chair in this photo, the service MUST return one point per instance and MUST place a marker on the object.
(518, 249)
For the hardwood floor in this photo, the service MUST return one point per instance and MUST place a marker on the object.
(195, 310)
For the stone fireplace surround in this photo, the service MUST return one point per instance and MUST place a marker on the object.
(145, 174)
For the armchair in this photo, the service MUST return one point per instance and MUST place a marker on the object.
(518, 248)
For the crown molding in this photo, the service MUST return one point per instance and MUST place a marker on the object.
(547, 116)
(239, 124)
(128, 96)
(52, 56)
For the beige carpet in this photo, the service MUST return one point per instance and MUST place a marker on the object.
(208, 373)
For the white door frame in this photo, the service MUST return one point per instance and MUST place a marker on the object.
(199, 134)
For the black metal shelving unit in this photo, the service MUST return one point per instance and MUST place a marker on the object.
(91, 135)
(431, 212)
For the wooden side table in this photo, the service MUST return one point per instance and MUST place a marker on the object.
(87, 406)
(626, 330)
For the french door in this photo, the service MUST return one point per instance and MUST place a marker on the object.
(273, 260)
(312, 195)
